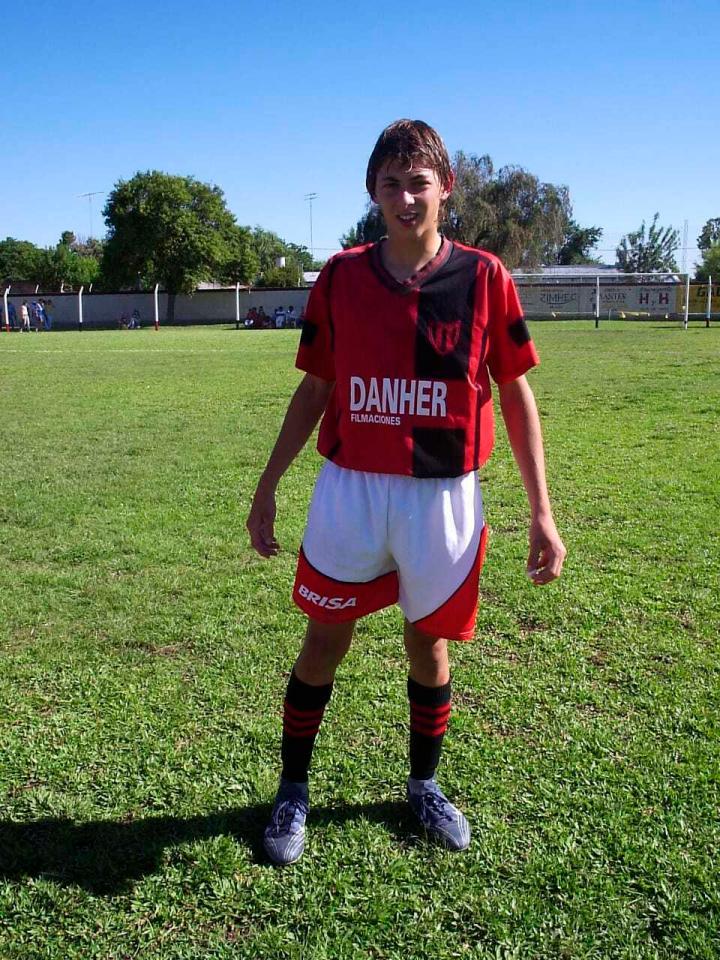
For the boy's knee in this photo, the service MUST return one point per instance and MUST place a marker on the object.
(326, 644)
(428, 656)
(423, 644)
(323, 650)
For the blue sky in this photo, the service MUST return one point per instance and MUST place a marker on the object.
(272, 101)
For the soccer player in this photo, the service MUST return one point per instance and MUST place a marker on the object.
(398, 345)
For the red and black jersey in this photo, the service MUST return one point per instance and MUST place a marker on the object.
(412, 361)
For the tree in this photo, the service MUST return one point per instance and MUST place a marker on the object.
(69, 262)
(469, 214)
(288, 276)
(301, 255)
(578, 243)
(710, 234)
(168, 229)
(242, 264)
(369, 228)
(61, 265)
(88, 248)
(710, 266)
(19, 260)
(268, 249)
(509, 212)
(647, 251)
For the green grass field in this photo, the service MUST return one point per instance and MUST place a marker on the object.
(144, 653)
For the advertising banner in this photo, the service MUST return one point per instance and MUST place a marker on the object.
(699, 298)
(547, 300)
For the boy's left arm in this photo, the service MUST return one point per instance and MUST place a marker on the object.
(547, 551)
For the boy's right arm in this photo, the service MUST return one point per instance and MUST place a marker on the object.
(303, 413)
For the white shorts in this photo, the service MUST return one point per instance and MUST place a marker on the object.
(374, 539)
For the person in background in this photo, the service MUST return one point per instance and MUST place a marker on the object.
(25, 317)
(279, 318)
(290, 318)
(47, 316)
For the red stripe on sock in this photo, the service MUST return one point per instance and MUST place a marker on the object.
(299, 729)
(297, 714)
(308, 724)
(300, 733)
(431, 721)
(428, 731)
(430, 713)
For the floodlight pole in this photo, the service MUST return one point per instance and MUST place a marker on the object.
(157, 307)
(7, 315)
(597, 302)
(687, 301)
(90, 195)
(310, 197)
(80, 312)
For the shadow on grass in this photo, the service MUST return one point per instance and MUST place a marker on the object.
(105, 857)
(673, 325)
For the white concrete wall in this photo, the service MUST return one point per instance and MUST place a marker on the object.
(103, 310)
(206, 306)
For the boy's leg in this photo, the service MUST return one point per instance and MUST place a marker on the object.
(429, 696)
(345, 570)
(323, 650)
(307, 695)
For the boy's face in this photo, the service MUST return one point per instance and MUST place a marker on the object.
(410, 199)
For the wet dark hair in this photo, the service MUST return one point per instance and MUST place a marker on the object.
(409, 142)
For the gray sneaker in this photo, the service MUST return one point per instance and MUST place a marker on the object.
(284, 837)
(441, 819)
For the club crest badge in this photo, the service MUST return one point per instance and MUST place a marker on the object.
(443, 335)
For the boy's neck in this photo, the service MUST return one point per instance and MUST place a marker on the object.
(404, 257)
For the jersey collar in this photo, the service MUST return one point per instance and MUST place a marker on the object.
(417, 279)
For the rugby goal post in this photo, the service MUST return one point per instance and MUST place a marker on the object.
(659, 294)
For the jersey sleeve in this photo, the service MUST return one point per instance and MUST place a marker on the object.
(511, 352)
(315, 354)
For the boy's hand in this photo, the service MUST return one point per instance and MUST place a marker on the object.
(547, 551)
(261, 523)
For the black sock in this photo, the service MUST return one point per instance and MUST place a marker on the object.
(429, 713)
(302, 715)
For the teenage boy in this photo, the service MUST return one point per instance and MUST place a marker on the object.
(399, 341)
